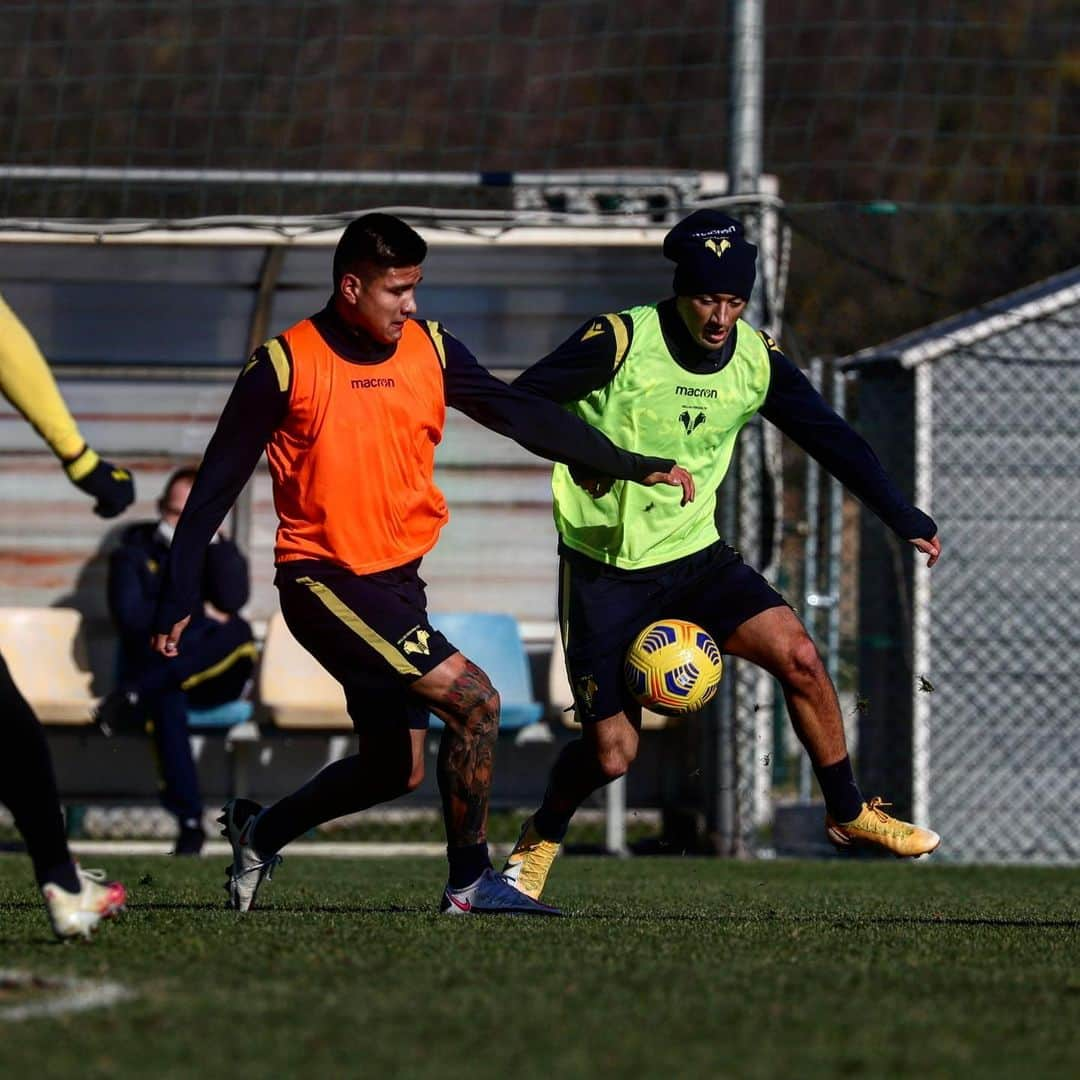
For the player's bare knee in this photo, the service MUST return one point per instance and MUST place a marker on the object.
(612, 766)
(483, 718)
(802, 663)
(615, 761)
(470, 705)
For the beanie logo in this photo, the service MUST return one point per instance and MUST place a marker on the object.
(718, 249)
(593, 331)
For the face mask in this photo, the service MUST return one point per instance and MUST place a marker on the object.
(165, 533)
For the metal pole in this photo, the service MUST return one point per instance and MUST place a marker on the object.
(836, 543)
(810, 564)
(747, 95)
(723, 772)
(744, 177)
(615, 819)
(109, 174)
(747, 89)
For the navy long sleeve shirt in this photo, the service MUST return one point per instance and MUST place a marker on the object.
(258, 404)
(588, 359)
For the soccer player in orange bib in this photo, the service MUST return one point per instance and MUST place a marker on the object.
(349, 406)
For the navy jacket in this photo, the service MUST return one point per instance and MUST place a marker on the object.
(135, 580)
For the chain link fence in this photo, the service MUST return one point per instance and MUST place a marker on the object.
(977, 705)
(998, 747)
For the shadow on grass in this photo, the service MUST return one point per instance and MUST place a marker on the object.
(959, 920)
(838, 922)
(291, 909)
(834, 922)
(841, 922)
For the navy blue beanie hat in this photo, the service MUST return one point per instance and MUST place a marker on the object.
(711, 255)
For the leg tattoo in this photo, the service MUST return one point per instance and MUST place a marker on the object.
(467, 755)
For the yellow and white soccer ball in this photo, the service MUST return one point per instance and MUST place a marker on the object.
(673, 667)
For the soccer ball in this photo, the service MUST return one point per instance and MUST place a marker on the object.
(673, 667)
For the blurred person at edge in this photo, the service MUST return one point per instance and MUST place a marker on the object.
(76, 899)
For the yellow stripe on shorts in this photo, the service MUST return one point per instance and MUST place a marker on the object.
(338, 607)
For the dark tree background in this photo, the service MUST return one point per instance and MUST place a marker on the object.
(927, 153)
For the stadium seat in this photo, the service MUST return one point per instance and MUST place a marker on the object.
(561, 700)
(300, 694)
(219, 717)
(493, 642)
(211, 718)
(46, 652)
(293, 685)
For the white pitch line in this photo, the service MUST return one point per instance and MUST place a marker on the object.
(76, 995)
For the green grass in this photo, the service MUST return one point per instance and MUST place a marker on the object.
(666, 967)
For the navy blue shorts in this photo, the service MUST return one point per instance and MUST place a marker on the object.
(603, 608)
(370, 631)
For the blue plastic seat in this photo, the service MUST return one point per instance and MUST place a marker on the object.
(493, 642)
(220, 716)
(213, 718)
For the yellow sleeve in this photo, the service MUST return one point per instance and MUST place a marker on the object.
(27, 382)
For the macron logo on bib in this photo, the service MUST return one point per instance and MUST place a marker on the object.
(370, 384)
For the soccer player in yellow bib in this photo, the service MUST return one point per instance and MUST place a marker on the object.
(76, 899)
(681, 378)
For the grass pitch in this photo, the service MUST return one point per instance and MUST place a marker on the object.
(667, 967)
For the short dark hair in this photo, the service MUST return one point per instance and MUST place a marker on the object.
(377, 240)
(185, 472)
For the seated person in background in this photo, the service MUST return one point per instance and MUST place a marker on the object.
(219, 651)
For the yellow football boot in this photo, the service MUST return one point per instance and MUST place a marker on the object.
(528, 864)
(874, 828)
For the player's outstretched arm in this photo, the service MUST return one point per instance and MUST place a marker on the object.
(597, 486)
(27, 382)
(800, 412)
(254, 410)
(586, 361)
(539, 424)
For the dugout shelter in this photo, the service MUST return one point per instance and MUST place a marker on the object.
(146, 329)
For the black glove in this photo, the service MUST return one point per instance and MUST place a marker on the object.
(111, 486)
